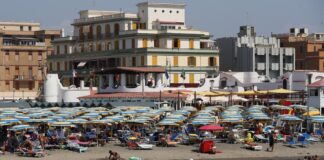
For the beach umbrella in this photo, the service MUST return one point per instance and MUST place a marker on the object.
(43, 120)
(211, 127)
(250, 93)
(77, 121)
(281, 91)
(20, 127)
(62, 124)
(166, 123)
(312, 113)
(4, 124)
(10, 120)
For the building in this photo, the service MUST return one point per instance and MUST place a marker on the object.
(316, 95)
(309, 48)
(23, 51)
(157, 35)
(251, 53)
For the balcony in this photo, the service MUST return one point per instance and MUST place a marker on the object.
(24, 78)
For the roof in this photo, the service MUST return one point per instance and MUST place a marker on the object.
(319, 83)
(132, 70)
(154, 95)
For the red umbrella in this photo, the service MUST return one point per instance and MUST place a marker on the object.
(211, 127)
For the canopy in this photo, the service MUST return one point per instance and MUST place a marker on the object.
(211, 127)
(250, 93)
(281, 91)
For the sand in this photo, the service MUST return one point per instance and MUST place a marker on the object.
(230, 151)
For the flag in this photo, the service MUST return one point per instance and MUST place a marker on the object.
(74, 73)
(166, 74)
(183, 74)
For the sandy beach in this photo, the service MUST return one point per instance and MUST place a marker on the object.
(230, 151)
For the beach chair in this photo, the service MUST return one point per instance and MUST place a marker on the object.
(36, 152)
(252, 146)
(290, 142)
(310, 138)
(302, 141)
(144, 146)
(76, 147)
(260, 138)
(280, 138)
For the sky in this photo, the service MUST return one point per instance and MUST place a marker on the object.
(221, 18)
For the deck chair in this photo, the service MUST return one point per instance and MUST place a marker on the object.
(290, 142)
(302, 141)
(36, 152)
(280, 138)
(310, 138)
(76, 147)
(144, 146)
(260, 138)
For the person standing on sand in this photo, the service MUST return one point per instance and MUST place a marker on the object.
(271, 141)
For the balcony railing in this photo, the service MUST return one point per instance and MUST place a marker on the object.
(24, 78)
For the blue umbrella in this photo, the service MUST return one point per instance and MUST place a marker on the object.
(20, 127)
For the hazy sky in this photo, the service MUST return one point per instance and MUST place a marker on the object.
(219, 17)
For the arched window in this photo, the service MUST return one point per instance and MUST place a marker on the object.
(98, 32)
(116, 29)
(191, 61)
(107, 30)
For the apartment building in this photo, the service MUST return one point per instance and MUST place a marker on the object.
(309, 48)
(251, 53)
(157, 35)
(23, 50)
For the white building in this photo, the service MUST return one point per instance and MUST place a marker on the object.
(251, 53)
(316, 95)
(157, 35)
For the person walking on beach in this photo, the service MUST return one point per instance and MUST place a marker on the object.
(271, 141)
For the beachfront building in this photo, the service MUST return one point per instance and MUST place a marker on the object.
(316, 95)
(24, 47)
(156, 36)
(251, 53)
(309, 48)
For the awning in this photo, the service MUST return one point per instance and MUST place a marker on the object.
(81, 64)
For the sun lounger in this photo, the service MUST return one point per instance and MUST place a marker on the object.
(302, 141)
(142, 146)
(310, 138)
(31, 153)
(290, 142)
(76, 147)
(252, 146)
(260, 138)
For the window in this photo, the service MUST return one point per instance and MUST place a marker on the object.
(108, 46)
(175, 61)
(58, 67)
(170, 11)
(116, 45)
(142, 26)
(57, 49)
(142, 60)
(17, 70)
(90, 33)
(81, 35)
(7, 85)
(162, 11)
(91, 47)
(17, 87)
(313, 92)
(191, 43)
(30, 56)
(176, 43)
(133, 61)
(154, 60)
(65, 66)
(116, 29)
(134, 26)
(124, 61)
(176, 78)
(7, 72)
(191, 78)
(156, 43)
(30, 86)
(65, 49)
(98, 47)
(17, 56)
(98, 32)
(7, 56)
(30, 28)
(191, 61)
(133, 43)
(124, 44)
(144, 42)
(177, 11)
(212, 61)
(50, 66)
(107, 30)
(155, 10)
(30, 72)
(21, 28)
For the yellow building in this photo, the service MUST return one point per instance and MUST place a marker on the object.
(23, 51)
(156, 36)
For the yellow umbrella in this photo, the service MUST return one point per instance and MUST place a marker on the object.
(208, 94)
(250, 93)
(312, 113)
(281, 91)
